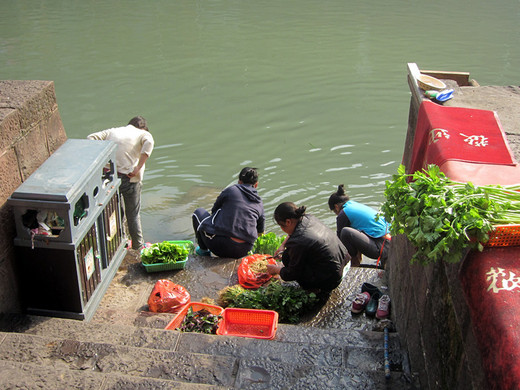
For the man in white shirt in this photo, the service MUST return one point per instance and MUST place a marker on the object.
(134, 145)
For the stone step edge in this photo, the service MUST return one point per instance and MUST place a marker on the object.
(31, 375)
(215, 366)
(229, 346)
(285, 332)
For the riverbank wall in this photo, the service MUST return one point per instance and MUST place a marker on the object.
(31, 130)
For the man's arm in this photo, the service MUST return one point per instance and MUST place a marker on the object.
(142, 160)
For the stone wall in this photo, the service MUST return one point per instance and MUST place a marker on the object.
(433, 321)
(31, 130)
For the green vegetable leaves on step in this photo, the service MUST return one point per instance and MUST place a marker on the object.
(443, 218)
(165, 252)
(267, 243)
(201, 321)
(291, 302)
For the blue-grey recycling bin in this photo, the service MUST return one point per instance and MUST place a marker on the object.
(69, 233)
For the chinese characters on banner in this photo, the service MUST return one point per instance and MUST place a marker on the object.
(502, 280)
(473, 140)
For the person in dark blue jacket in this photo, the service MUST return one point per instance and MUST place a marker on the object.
(360, 229)
(236, 219)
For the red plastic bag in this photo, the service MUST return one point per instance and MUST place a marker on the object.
(168, 297)
(250, 279)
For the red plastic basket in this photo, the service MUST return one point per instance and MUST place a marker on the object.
(260, 324)
(504, 235)
(195, 306)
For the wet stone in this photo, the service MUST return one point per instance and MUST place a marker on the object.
(298, 353)
(267, 374)
(105, 333)
(33, 376)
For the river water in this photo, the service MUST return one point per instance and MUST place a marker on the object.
(312, 93)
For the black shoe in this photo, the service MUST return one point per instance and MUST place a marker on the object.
(370, 288)
(371, 308)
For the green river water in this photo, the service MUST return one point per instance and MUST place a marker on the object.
(312, 93)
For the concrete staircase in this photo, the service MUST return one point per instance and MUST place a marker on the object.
(121, 349)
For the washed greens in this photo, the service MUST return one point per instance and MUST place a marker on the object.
(267, 243)
(290, 301)
(443, 218)
(165, 252)
(201, 321)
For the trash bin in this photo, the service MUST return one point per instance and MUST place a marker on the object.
(69, 234)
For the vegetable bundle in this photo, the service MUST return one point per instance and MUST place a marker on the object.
(201, 321)
(267, 243)
(443, 218)
(165, 252)
(289, 301)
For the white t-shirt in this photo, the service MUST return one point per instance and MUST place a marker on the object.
(131, 143)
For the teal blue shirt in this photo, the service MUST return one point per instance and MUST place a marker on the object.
(362, 218)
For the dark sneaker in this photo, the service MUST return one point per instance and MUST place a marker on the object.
(370, 288)
(360, 302)
(373, 304)
(202, 252)
(383, 308)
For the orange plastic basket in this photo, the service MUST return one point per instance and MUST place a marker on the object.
(195, 306)
(504, 235)
(259, 324)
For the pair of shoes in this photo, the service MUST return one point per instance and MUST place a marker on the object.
(202, 252)
(360, 302)
(383, 308)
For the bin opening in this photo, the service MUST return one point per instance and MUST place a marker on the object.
(43, 222)
(81, 209)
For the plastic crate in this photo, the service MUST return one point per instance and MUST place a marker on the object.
(195, 306)
(504, 235)
(259, 324)
(169, 266)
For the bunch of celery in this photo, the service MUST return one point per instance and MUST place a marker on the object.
(443, 218)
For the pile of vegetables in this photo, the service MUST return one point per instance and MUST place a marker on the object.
(165, 252)
(201, 321)
(267, 243)
(259, 266)
(443, 218)
(290, 301)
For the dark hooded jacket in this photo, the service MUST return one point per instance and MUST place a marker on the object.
(314, 256)
(238, 212)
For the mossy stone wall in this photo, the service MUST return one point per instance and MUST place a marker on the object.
(30, 131)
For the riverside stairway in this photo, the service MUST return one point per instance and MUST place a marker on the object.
(126, 347)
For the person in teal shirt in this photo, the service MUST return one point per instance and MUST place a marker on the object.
(360, 229)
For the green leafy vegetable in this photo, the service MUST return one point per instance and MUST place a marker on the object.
(443, 218)
(267, 243)
(201, 321)
(165, 252)
(290, 301)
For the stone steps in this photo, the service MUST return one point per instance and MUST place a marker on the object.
(134, 351)
(16, 375)
(126, 347)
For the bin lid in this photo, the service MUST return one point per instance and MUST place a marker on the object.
(61, 177)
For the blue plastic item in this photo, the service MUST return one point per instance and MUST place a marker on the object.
(440, 96)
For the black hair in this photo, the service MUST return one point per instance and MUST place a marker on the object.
(139, 122)
(338, 197)
(248, 175)
(288, 210)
